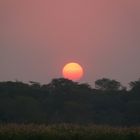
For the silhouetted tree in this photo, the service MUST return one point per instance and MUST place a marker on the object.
(61, 85)
(135, 86)
(107, 85)
(63, 101)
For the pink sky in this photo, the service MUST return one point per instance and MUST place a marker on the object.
(38, 37)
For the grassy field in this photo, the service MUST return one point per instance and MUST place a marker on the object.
(67, 132)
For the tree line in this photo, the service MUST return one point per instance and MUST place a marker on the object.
(66, 101)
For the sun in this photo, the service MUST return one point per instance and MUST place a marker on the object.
(72, 71)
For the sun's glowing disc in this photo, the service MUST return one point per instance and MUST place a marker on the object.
(72, 71)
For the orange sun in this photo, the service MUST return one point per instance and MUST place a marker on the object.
(72, 71)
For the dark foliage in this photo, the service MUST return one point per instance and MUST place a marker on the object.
(65, 101)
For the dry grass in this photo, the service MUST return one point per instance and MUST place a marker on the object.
(67, 132)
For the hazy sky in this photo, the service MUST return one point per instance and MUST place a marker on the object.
(38, 37)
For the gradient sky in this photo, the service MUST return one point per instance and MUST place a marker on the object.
(38, 37)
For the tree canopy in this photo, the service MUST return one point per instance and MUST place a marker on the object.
(66, 101)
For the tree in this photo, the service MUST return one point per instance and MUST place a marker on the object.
(135, 86)
(105, 84)
(61, 85)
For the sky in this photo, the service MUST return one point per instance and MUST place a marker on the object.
(38, 37)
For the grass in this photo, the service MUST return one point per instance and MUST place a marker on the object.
(66, 132)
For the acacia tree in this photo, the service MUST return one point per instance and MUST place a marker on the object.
(106, 84)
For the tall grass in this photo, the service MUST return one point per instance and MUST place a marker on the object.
(67, 132)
